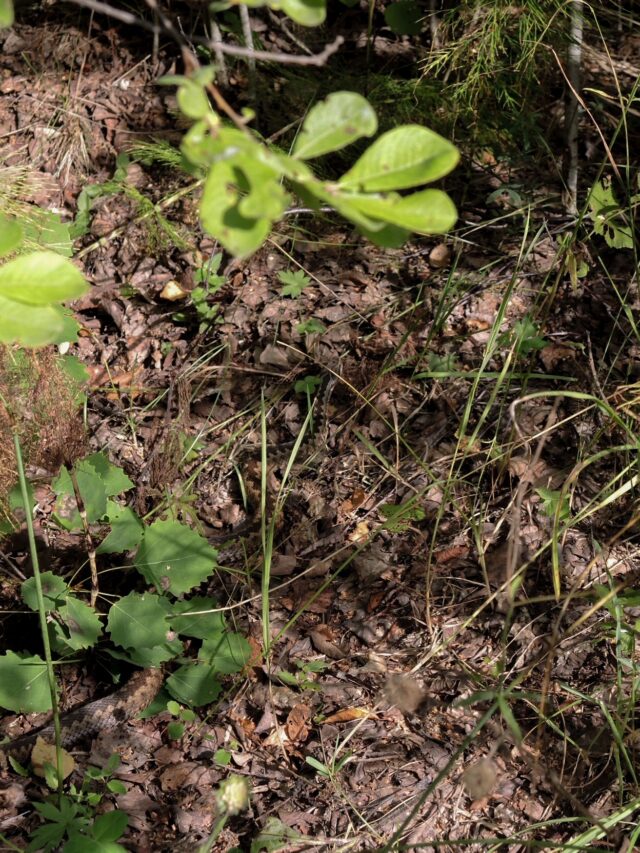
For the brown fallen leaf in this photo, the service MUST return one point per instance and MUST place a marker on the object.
(297, 724)
(45, 753)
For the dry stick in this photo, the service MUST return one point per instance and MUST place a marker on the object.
(586, 109)
(513, 551)
(91, 548)
(248, 40)
(317, 59)
(217, 52)
(572, 116)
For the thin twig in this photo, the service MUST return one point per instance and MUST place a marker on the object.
(317, 59)
(91, 548)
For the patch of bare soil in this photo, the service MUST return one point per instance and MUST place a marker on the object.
(411, 598)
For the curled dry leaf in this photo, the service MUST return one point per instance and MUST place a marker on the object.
(347, 715)
(173, 292)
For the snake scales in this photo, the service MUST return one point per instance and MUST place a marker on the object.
(87, 721)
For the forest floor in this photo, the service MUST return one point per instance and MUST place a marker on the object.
(466, 410)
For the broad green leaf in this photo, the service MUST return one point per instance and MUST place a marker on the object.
(30, 326)
(92, 491)
(114, 480)
(289, 167)
(220, 211)
(404, 157)
(174, 558)
(405, 17)
(6, 13)
(227, 653)
(609, 220)
(192, 100)
(10, 231)
(109, 826)
(307, 13)
(265, 195)
(275, 836)
(154, 656)
(24, 688)
(82, 623)
(70, 326)
(333, 123)
(389, 236)
(139, 621)
(48, 231)
(40, 278)
(126, 531)
(331, 194)
(54, 591)
(194, 684)
(424, 212)
(199, 625)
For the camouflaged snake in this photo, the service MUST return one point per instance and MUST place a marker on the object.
(88, 721)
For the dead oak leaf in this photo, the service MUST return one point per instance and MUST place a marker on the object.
(297, 724)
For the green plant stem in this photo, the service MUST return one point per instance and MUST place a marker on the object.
(207, 847)
(41, 608)
(8, 845)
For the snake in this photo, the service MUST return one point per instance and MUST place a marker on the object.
(87, 721)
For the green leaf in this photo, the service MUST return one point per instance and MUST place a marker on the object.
(139, 621)
(54, 591)
(192, 100)
(311, 327)
(407, 156)
(222, 757)
(243, 193)
(226, 654)
(40, 278)
(174, 558)
(307, 385)
(69, 330)
(154, 656)
(24, 688)
(199, 625)
(194, 684)
(275, 836)
(48, 231)
(609, 220)
(30, 326)
(126, 532)
(405, 18)
(424, 212)
(10, 231)
(110, 826)
(6, 13)
(92, 491)
(333, 123)
(307, 13)
(389, 236)
(294, 282)
(114, 480)
(221, 217)
(83, 624)
(175, 730)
